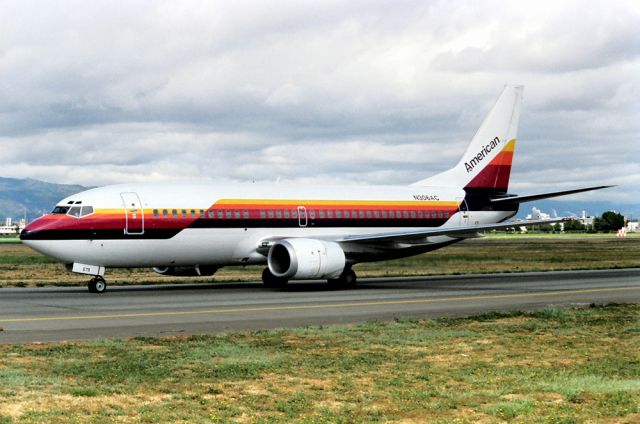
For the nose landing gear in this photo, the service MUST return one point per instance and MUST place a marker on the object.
(97, 284)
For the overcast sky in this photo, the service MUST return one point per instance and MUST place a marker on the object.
(365, 92)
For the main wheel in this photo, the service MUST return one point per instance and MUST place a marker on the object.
(271, 280)
(97, 285)
(347, 280)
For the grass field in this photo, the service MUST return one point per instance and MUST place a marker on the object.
(555, 366)
(20, 266)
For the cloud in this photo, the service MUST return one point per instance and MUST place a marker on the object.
(343, 92)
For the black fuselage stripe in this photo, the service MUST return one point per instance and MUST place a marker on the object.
(153, 233)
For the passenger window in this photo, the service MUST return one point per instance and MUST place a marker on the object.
(184, 213)
(368, 214)
(211, 214)
(321, 214)
(294, 213)
(201, 213)
(263, 214)
(279, 214)
(227, 214)
(165, 213)
(86, 210)
(245, 214)
(193, 213)
(287, 214)
(155, 212)
(338, 214)
(420, 214)
(346, 214)
(174, 213)
(392, 214)
(270, 213)
(440, 214)
(446, 215)
(236, 214)
(376, 214)
(329, 214)
(413, 214)
(312, 214)
(75, 211)
(384, 214)
(405, 214)
(220, 214)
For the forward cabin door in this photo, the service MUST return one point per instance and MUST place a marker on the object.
(134, 214)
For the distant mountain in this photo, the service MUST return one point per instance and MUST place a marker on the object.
(31, 196)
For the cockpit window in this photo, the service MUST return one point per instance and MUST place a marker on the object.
(86, 210)
(75, 211)
(61, 210)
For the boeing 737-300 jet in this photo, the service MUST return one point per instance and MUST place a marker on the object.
(299, 232)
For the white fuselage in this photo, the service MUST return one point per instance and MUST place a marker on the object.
(140, 225)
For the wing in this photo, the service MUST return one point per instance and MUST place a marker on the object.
(455, 231)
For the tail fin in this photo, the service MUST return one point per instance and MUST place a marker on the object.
(486, 164)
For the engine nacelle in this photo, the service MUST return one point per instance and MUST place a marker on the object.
(186, 271)
(306, 259)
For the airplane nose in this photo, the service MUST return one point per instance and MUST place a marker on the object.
(38, 229)
(28, 234)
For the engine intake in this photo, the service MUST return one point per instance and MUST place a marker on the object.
(301, 258)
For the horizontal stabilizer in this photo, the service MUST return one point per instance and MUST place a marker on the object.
(453, 231)
(532, 197)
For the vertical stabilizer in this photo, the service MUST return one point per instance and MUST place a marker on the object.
(486, 164)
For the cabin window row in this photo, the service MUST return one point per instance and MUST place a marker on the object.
(293, 214)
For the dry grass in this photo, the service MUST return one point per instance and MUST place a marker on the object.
(560, 366)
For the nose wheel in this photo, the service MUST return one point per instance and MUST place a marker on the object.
(97, 285)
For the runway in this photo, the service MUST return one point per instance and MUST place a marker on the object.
(55, 314)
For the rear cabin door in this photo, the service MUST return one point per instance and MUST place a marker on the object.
(134, 214)
(464, 211)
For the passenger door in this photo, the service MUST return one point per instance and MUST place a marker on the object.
(134, 214)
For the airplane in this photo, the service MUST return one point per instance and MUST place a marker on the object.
(298, 232)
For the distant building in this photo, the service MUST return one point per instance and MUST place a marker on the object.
(633, 227)
(587, 221)
(538, 214)
(11, 229)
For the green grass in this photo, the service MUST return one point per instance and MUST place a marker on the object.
(555, 365)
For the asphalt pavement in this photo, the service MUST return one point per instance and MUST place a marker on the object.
(56, 314)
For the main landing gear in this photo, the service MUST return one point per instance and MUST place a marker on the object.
(271, 280)
(346, 280)
(97, 284)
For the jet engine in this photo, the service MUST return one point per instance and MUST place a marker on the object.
(301, 258)
(186, 271)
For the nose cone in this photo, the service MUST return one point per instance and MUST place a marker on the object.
(30, 231)
(45, 228)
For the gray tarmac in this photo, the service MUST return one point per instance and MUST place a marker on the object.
(57, 314)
